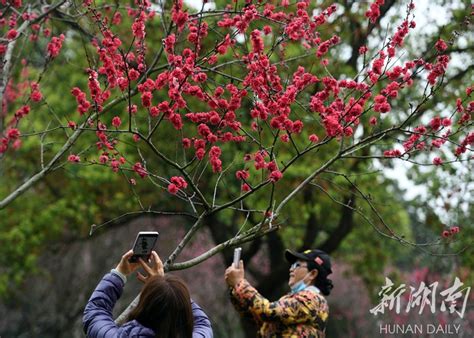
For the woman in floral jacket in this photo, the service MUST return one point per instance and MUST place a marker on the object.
(301, 313)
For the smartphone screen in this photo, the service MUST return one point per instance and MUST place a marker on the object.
(237, 252)
(144, 244)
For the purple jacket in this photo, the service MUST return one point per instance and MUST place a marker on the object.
(99, 323)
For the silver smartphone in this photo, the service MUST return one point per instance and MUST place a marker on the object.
(237, 252)
(144, 244)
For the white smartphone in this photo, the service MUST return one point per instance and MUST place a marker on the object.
(143, 246)
(237, 252)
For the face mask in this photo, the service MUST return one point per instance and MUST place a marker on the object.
(299, 286)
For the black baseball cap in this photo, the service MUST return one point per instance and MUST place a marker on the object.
(317, 259)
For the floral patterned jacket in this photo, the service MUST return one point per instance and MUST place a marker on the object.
(303, 314)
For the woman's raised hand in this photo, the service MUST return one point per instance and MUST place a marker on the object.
(125, 267)
(154, 268)
(234, 275)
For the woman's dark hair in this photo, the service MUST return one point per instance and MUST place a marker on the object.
(323, 283)
(165, 307)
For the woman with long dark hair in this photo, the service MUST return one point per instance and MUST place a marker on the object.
(303, 312)
(165, 308)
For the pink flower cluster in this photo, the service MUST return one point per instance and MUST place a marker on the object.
(116, 121)
(11, 136)
(35, 95)
(140, 170)
(54, 47)
(392, 153)
(214, 159)
(452, 230)
(12, 34)
(373, 12)
(82, 104)
(257, 42)
(381, 105)
(323, 48)
(138, 27)
(198, 30)
(179, 16)
(176, 183)
(441, 45)
(438, 69)
(74, 158)
(274, 174)
(338, 116)
(96, 93)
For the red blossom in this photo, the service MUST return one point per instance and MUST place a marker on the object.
(454, 229)
(374, 11)
(115, 165)
(117, 18)
(363, 49)
(172, 188)
(104, 158)
(138, 27)
(132, 109)
(116, 122)
(133, 74)
(200, 153)
(186, 143)
(54, 47)
(377, 65)
(74, 158)
(178, 16)
(313, 138)
(392, 153)
(441, 46)
(146, 99)
(179, 182)
(267, 29)
(83, 104)
(140, 170)
(332, 125)
(348, 131)
(36, 96)
(437, 161)
(257, 42)
(12, 34)
(13, 134)
(242, 174)
(169, 42)
(275, 176)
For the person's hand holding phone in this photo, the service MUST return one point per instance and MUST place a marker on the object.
(234, 275)
(126, 267)
(155, 268)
